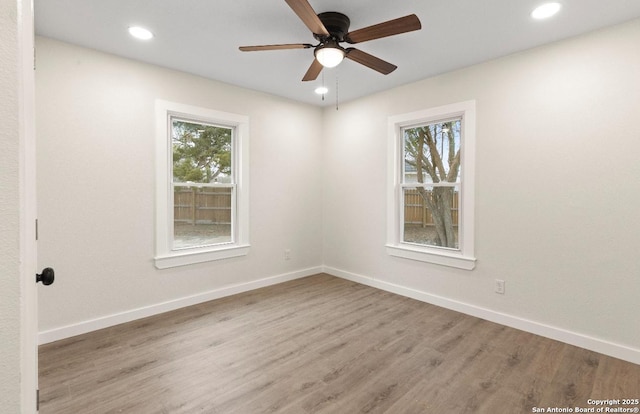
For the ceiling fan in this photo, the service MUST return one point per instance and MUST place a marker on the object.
(331, 29)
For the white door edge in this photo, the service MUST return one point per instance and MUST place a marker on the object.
(28, 208)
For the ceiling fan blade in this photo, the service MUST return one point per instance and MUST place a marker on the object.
(308, 16)
(275, 47)
(313, 72)
(370, 61)
(392, 27)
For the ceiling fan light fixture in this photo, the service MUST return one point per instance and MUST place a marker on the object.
(329, 55)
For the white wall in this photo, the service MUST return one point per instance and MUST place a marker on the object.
(10, 293)
(557, 190)
(96, 143)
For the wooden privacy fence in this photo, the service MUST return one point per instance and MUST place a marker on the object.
(416, 211)
(205, 205)
(213, 206)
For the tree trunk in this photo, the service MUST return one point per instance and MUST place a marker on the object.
(440, 202)
(445, 203)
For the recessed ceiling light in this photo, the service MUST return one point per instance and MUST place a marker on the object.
(321, 90)
(140, 33)
(546, 10)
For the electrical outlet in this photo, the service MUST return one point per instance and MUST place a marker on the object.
(500, 286)
(287, 254)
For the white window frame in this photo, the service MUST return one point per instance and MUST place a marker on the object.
(165, 255)
(463, 257)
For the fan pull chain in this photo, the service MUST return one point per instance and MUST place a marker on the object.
(323, 86)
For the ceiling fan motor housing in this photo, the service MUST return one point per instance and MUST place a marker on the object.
(337, 24)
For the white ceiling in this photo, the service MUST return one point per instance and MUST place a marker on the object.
(202, 37)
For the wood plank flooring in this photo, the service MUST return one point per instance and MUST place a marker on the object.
(322, 345)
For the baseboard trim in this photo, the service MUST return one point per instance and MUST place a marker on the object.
(68, 331)
(573, 338)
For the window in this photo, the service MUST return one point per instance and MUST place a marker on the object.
(202, 185)
(430, 196)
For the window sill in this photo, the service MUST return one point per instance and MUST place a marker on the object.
(440, 258)
(184, 258)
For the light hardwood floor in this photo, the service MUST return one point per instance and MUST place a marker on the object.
(322, 345)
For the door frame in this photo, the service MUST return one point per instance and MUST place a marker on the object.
(28, 206)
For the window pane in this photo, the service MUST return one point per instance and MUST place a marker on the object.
(202, 216)
(432, 153)
(201, 152)
(431, 216)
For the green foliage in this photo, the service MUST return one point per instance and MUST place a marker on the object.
(201, 153)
